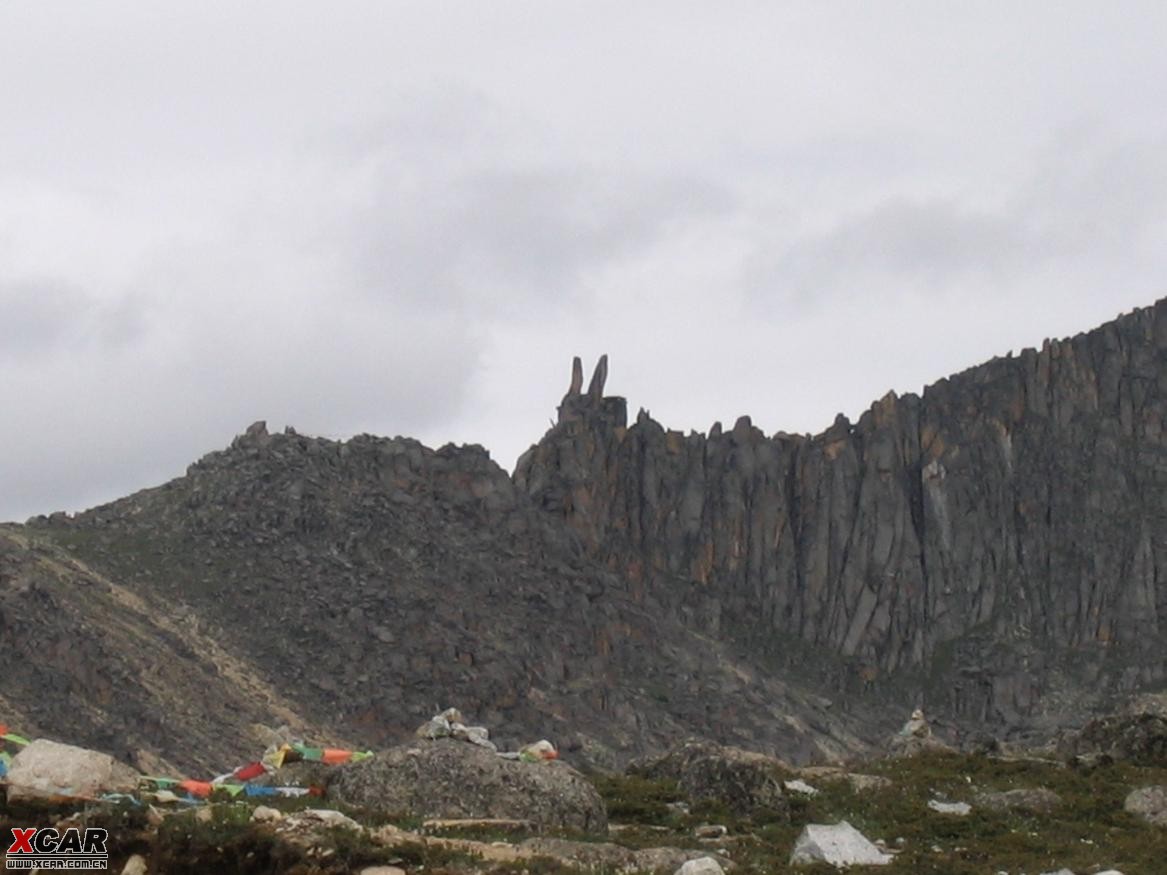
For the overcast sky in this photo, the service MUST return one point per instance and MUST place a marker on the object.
(405, 218)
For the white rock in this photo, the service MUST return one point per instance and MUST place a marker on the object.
(136, 865)
(478, 735)
(700, 866)
(960, 809)
(46, 768)
(263, 814)
(1059, 872)
(839, 844)
(861, 783)
(326, 816)
(436, 727)
(1149, 803)
(540, 750)
(710, 831)
(382, 870)
(802, 787)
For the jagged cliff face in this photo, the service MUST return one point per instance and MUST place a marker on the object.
(1009, 523)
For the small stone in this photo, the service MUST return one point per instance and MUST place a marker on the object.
(959, 809)
(382, 870)
(264, 814)
(539, 751)
(700, 866)
(860, 783)
(802, 787)
(136, 865)
(710, 831)
(312, 817)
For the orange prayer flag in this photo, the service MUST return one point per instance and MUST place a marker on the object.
(197, 788)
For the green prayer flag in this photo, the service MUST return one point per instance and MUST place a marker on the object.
(15, 739)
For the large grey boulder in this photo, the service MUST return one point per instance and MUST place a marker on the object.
(746, 782)
(451, 779)
(1148, 803)
(838, 844)
(1136, 738)
(47, 769)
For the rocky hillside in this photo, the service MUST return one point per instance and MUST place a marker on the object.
(132, 673)
(374, 581)
(990, 550)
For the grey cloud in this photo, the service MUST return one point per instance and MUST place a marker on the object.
(926, 245)
(39, 316)
(1089, 192)
(1081, 202)
(459, 207)
(530, 236)
(42, 316)
(548, 228)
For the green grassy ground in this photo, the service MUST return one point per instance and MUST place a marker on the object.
(1087, 832)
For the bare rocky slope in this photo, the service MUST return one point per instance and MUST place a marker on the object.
(991, 550)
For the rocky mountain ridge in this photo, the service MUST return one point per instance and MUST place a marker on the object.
(991, 549)
(1005, 532)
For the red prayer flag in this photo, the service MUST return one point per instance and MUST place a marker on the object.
(251, 770)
